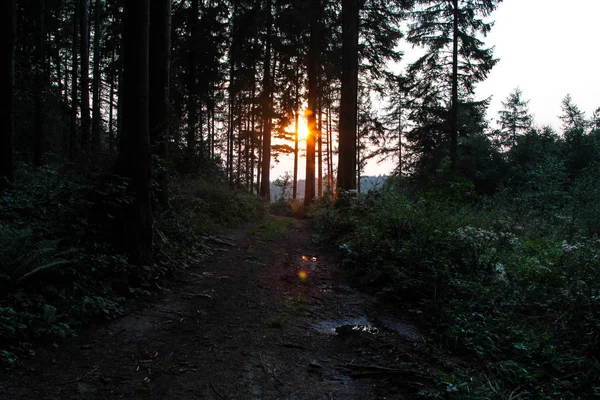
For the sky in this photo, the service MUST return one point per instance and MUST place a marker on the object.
(547, 48)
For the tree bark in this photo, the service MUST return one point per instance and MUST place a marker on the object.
(320, 151)
(313, 71)
(85, 76)
(192, 105)
(38, 130)
(73, 139)
(348, 102)
(160, 67)
(96, 80)
(454, 110)
(136, 164)
(265, 187)
(7, 88)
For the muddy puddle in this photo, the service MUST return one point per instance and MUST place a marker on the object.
(364, 324)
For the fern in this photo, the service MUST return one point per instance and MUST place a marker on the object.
(44, 268)
(21, 255)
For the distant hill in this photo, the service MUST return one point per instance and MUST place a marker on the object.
(367, 183)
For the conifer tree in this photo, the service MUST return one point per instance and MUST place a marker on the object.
(515, 119)
(7, 82)
(450, 31)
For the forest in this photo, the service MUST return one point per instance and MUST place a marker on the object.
(136, 134)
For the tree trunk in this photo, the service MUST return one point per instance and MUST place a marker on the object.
(38, 130)
(320, 151)
(85, 76)
(192, 105)
(295, 183)
(329, 144)
(73, 139)
(111, 109)
(348, 103)
(7, 88)
(96, 80)
(160, 67)
(136, 145)
(454, 110)
(313, 71)
(265, 187)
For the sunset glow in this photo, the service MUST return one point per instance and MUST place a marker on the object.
(302, 126)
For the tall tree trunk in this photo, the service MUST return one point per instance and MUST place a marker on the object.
(313, 71)
(38, 130)
(192, 106)
(454, 110)
(85, 75)
(160, 67)
(73, 138)
(96, 79)
(296, 134)
(400, 128)
(329, 144)
(136, 163)
(265, 187)
(296, 139)
(320, 150)
(348, 103)
(7, 89)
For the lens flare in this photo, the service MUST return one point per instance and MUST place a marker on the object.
(302, 275)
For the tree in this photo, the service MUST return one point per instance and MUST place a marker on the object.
(515, 119)
(96, 78)
(38, 130)
(349, 96)
(572, 117)
(313, 71)
(265, 189)
(85, 74)
(450, 30)
(159, 73)
(7, 86)
(135, 162)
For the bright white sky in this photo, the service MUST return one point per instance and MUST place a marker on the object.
(548, 48)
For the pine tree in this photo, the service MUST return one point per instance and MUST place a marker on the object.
(349, 96)
(515, 119)
(7, 83)
(450, 31)
(135, 151)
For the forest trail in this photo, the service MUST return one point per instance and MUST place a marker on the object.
(268, 317)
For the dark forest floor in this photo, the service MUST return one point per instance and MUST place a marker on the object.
(247, 324)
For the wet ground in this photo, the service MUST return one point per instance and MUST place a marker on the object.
(262, 320)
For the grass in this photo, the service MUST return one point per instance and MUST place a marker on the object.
(272, 230)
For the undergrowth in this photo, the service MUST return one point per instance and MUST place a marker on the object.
(60, 267)
(510, 287)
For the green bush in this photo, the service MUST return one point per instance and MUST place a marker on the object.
(525, 303)
(59, 266)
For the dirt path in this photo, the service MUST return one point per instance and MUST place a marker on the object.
(263, 320)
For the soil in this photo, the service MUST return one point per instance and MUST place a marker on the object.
(272, 319)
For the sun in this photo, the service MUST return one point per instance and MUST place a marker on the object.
(302, 126)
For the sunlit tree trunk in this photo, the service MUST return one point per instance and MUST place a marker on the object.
(320, 151)
(7, 89)
(296, 139)
(348, 103)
